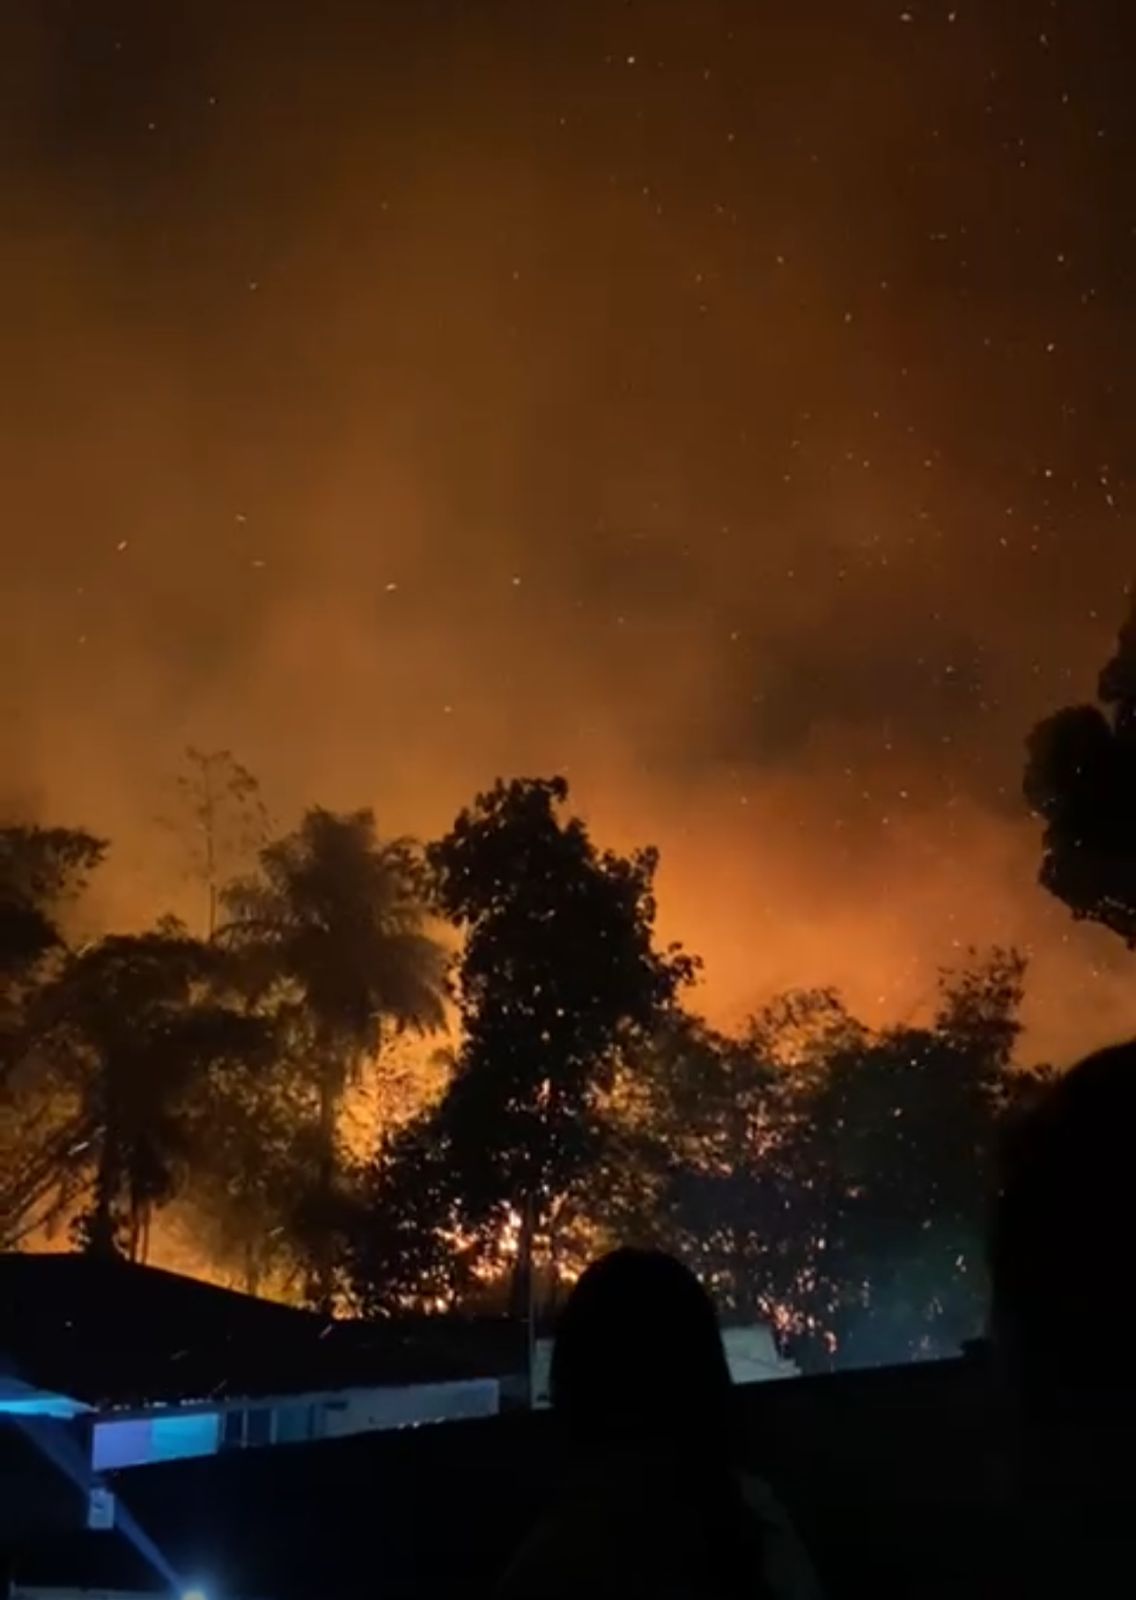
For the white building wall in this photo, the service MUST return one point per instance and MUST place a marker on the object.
(751, 1354)
(172, 1432)
(366, 1410)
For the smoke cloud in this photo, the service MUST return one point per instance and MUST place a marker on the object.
(722, 404)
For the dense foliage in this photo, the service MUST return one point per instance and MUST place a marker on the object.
(828, 1176)
(1081, 779)
(814, 1171)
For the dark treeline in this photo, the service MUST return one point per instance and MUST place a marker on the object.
(829, 1176)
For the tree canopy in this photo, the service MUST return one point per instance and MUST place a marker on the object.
(816, 1171)
(1080, 778)
(131, 1024)
(41, 869)
(335, 919)
(557, 968)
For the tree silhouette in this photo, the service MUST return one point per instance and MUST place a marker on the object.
(338, 915)
(686, 1129)
(812, 1170)
(411, 1243)
(885, 1171)
(220, 801)
(1080, 778)
(254, 1160)
(826, 1177)
(557, 969)
(133, 1023)
(42, 870)
(704, 1155)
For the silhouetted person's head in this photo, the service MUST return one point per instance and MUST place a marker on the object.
(638, 1358)
(1062, 1243)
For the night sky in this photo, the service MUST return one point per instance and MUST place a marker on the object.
(729, 404)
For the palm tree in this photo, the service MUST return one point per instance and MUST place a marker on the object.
(339, 916)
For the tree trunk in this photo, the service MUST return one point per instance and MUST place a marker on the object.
(134, 1236)
(101, 1230)
(145, 1220)
(524, 1289)
(324, 1266)
(552, 1300)
(252, 1269)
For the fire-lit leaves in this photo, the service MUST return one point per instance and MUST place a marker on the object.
(829, 1177)
(557, 969)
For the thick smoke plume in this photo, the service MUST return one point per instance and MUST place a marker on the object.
(722, 404)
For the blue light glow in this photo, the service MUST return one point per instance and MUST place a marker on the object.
(19, 1400)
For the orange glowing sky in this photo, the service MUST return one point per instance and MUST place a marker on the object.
(724, 403)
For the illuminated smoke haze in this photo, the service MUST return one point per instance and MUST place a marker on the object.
(725, 404)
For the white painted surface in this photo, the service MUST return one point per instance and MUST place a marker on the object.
(751, 1354)
(368, 1410)
(166, 1433)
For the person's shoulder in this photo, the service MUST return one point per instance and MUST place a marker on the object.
(759, 1497)
(788, 1566)
(571, 1547)
(544, 1566)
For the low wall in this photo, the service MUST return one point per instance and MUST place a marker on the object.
(886, 1473)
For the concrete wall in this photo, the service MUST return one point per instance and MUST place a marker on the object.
(887, 1474)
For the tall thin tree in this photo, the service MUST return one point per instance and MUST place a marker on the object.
(220, 803)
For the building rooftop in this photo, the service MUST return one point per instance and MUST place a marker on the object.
(112, 1333)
